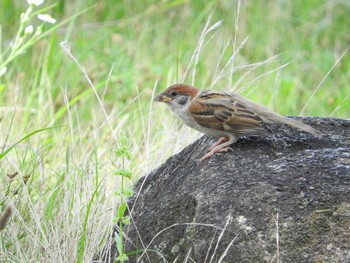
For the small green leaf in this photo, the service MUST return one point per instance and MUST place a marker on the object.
(126, 220)
(123, 173)
(128, 192)
(123, 152)
(119, 243)
(121, 258)
(121, 210)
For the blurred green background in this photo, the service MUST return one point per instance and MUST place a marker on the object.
(144, 41)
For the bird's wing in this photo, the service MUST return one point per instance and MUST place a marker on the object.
(220, 111)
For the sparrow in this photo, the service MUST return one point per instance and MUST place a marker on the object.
(222, 114)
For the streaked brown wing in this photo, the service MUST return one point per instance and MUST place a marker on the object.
(219, 112)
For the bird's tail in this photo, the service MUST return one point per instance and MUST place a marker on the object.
(272, 117)
(296, 124)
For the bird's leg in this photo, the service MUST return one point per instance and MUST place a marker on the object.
(222, 145)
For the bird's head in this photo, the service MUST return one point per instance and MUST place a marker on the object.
(178, 96)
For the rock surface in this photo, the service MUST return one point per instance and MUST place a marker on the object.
(283, 198)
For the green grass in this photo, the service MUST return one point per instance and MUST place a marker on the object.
(62, 183)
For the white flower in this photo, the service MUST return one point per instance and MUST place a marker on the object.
(47, 18)
(3, 71)
(35, 2)
(29, 30)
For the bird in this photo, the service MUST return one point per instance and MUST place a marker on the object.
(226, 115)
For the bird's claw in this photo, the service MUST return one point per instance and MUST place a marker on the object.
(212, 151)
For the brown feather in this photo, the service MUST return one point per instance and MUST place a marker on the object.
(183, 89)
(217, 111)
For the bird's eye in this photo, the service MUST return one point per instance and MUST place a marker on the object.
(174, 93)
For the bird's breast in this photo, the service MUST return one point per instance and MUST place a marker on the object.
(187, 118)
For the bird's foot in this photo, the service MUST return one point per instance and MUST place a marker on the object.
(220, 141)
(222, 145)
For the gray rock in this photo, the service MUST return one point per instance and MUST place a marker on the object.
(283, 198)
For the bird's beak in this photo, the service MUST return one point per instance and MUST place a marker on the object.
(162, 98)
